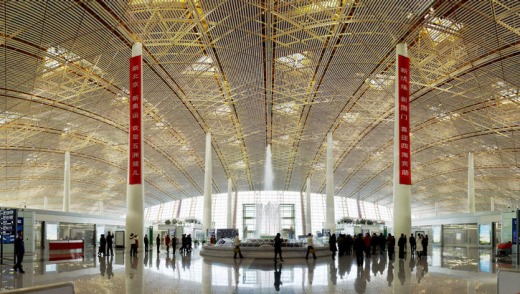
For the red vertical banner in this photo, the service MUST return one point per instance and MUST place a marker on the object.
(135, 148)
(405, 168)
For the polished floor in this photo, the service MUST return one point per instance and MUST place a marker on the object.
(448, 270)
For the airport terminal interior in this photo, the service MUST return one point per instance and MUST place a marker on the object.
(218, 118)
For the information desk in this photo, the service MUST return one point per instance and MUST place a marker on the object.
(66, 249)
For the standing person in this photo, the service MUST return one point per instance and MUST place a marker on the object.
(236, 243)
(367, 241)
(359, 248)
(132, 244)
(188, 242)
(382, 243)
(136, 244)
(278, 247)
(174, 244)
(402, 244)
(419, 245)
(158, 242)
(110, 242)
(425, 245)
(19, 252)
(167, 243)
(332, 245)
(102, 246)
(413, 244)
(145, 240)
(390, 240)
(310, 247)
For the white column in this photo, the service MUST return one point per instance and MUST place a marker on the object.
(436, 208)
(330, 220)
(402, 193)
(471, 184)
(206, 213)
(66, 183)
(135, 192)
(102, 209)
(308, 219)
(229, 202)
(492, 204)
(45, 202)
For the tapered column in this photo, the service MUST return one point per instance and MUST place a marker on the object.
(492, 204)
(45, 202)
(206, 213)
(402, 162)
(471, 184)
(66, 183)
(135, 188)
(330, 221)
(101, 207)
(308, 218)
(229, 202)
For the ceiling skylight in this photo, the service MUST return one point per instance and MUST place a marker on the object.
(441, 29)
(294, 60)
(203, 65)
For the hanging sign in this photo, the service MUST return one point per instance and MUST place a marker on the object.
(405, 169)
(135, 148)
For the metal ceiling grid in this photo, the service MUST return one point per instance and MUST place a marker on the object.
(255, 73)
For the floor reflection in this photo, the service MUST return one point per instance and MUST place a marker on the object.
(444, 270)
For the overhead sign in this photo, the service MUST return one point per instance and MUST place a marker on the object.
(405, 169)
(8, 225)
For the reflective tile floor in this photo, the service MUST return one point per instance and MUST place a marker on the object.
(448, 270)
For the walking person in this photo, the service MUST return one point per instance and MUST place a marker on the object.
(110, 242)
(158, 243)
(236, 243)
(19, 252)
(332, 245)
(145, 240)
(278, 247)
(310, 247)
(136, 244)
(413, 244)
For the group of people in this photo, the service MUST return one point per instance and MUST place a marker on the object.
(106, 245)
(186, 243)
(365, 246)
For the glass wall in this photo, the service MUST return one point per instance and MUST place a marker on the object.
(344, 207)
(460, 235)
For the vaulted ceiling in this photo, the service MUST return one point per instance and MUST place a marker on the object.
(257, 73)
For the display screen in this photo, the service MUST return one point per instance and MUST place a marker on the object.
(484, 234)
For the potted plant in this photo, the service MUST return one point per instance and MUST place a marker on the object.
(203, 242)
(167, 222)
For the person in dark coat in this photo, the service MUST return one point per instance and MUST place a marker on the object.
(19, 252)
(332, 245)
(278, 247)
(174, 244)
(359, 248)
(102, 246)
(349, 241)
(158, 242)
(145, 240)
(402, 244)
(110, 241)
(413, 244)
(390, 241)
(425, 245)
